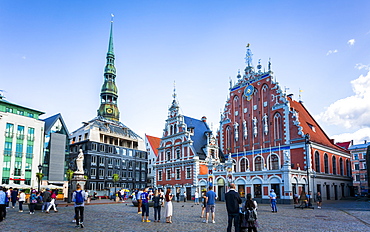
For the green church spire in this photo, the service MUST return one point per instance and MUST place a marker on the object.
(109, 92)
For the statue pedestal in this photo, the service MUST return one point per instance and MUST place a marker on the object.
(78, 178)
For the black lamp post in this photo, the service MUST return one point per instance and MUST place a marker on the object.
(40, 167)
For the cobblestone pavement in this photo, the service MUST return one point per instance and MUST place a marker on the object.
(334, 216)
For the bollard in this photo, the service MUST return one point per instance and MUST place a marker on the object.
(99, 198)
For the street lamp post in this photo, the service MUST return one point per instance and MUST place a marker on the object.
(39, 179)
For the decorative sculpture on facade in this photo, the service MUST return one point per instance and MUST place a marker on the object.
(236, 125)
(254, 126)
(265, 124)
(245, 129)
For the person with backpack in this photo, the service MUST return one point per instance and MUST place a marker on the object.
(250, 215)
(79, 197)
(233, 201)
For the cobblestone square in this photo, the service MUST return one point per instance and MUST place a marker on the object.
(334, 216)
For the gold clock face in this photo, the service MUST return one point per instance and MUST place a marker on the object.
(109, 111)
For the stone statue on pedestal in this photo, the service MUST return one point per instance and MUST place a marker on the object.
(80, 163)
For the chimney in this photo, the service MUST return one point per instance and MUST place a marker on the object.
(204, 119)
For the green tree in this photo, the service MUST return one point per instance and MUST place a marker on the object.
(69, 175)
(115, 180)
(39, 177)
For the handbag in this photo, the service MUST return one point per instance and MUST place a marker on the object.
(34, 201)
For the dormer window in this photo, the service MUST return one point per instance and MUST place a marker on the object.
(312, 127)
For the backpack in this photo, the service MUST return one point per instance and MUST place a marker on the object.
(79, 200)
(252, 215)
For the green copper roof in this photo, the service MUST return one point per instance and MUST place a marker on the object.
(109, 92)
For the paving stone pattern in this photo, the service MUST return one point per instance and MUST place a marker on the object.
(334, 216)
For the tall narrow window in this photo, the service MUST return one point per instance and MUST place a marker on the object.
(9, 130)
(326, 163)
(317, 161)
(20, 132)
(243, 165)
(278, 129)
(334, 163)
(228, 139)
(341, 166)
(31, 134)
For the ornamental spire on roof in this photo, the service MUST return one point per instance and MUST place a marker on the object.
(174, 108)
(109, 92)
(248, 56)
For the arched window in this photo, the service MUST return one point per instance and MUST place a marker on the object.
(175, 129)
(317, 161)
(326, 163)
(228, 139)
(334, 163)
(341, 166)
(243, 165)
(171, 131)
(258, 163)
(278, 129)
(273, 162)
(234, 165)
(264, 96)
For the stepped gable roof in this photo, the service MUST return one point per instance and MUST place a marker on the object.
(109, 126)
(311, 127)
(49, 122)
(199, 138)
(359, 146)
(344, 145)
(154, 143)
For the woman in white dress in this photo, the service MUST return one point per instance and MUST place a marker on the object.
(168, 207)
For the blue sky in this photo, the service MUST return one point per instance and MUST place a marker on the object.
(53, 57)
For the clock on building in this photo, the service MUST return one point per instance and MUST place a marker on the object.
(248, 91)
(109, 110)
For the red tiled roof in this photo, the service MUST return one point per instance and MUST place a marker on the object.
(308, 122)
(154, 143)
(345, 145)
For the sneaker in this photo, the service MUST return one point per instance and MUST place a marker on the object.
(47, 211)
(82, 225)
(147, 220)
(204, 221)
(78, 226)
(143, 220)
(30, 212)
(21, 211)
(213, 222)
(13, 207)
(74, 220)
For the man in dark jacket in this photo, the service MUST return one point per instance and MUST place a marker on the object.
(232, 205)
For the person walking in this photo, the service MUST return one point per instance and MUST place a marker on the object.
(319, 200)
(185, 196)
(13, 197)
(233, 201)
(46, 196)
(145, 205)
(250, 219)
(33, 201)
(203, 204)
(79, 197)
(21, 200)
(168, 207)
(273, 201)
(52, 202)
(157, 200)
(3, 197)
(210, 204)
(196, 197)
(139, 201)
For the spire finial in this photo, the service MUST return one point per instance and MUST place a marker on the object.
(110, 46)
(112, 16)
(174, 90)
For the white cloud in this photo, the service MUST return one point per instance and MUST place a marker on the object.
(358, 136)
(331, 51)
(23, 57)
(352, 112)
(362, 66)
(351, 42)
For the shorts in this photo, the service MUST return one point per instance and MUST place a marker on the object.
(210, 208)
